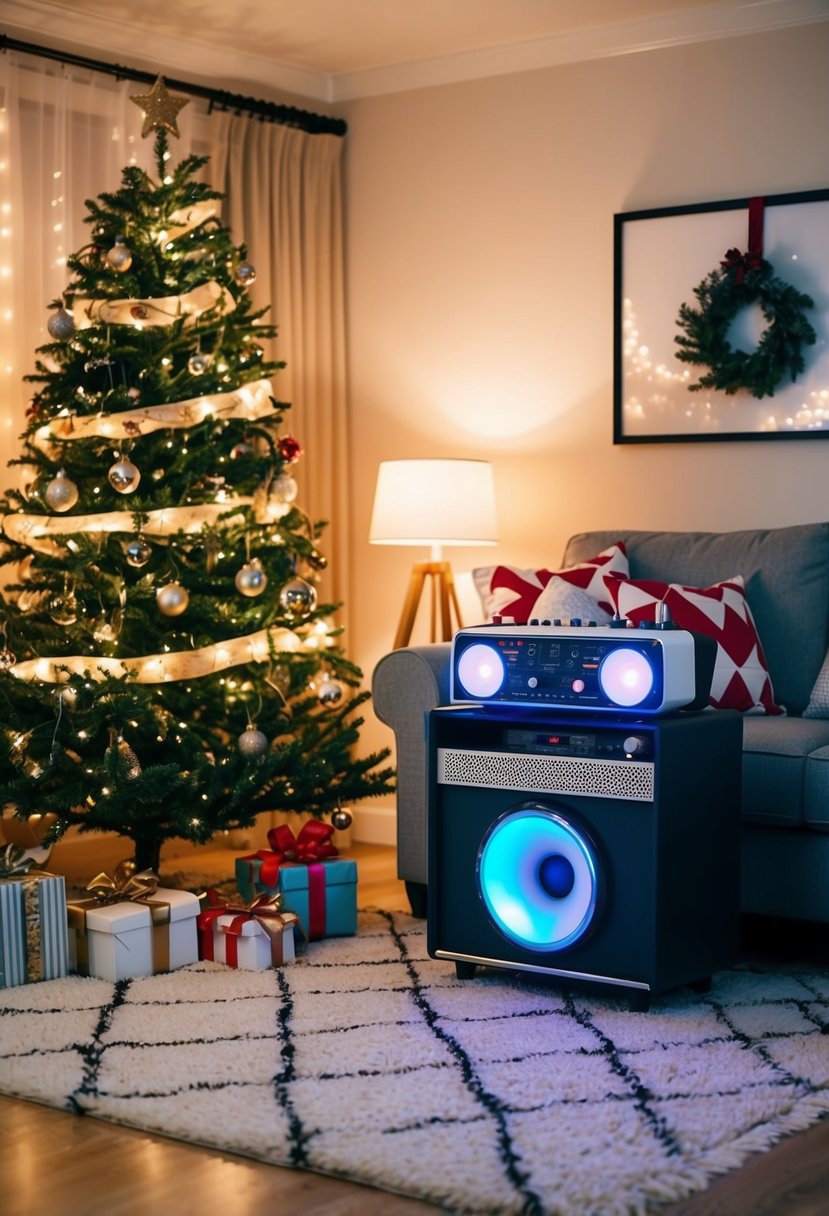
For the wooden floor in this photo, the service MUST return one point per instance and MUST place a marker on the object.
(58, 1164)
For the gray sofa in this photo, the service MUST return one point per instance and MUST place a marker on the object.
(785, 797)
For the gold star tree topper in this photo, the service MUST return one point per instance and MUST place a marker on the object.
(160, 108)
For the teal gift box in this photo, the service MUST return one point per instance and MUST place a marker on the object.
(323, 894)
(33, 929)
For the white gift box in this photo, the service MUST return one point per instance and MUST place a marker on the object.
(251, 947)
(123, 942)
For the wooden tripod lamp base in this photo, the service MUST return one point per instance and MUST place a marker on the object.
(443, 602)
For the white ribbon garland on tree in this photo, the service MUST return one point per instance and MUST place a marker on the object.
(164, 310)
(250, 401)
(31, 529)
(177, 665)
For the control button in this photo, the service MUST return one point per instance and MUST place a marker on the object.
(619, 622)
(647, 624)
(575, 622)
(578, 686)
(534, 620)
(532, 682)
(634, 744)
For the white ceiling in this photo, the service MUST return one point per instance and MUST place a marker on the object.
(336, 49)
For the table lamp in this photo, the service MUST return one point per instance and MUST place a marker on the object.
(434, 503)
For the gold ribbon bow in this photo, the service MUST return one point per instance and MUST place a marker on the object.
(124, 886)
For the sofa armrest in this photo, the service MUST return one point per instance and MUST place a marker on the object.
(406, 685)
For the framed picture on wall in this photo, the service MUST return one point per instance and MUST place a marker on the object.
(721, 320)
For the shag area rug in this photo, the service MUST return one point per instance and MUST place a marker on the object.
(369, 1061)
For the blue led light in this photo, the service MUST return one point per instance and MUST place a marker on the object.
(481, 670)
(626, 676)
(538, 878)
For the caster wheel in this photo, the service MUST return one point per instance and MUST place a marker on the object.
(464, 971)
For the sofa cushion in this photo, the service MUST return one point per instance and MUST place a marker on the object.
(560, 600)
(512, 591)
(818, 706)
(741, 678)
(786, 573)
(777, 755)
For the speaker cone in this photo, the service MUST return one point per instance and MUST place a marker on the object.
(538, 877)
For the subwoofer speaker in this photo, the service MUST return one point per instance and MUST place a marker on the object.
(583, 848)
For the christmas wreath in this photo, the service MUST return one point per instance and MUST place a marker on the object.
(743, 279)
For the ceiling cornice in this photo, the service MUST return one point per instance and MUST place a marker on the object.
(229, 69)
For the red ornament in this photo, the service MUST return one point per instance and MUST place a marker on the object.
(140, 312)
(290, 449)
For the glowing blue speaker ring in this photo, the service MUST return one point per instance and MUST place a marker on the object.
(513, 856)
(626, 676)
(481, 670)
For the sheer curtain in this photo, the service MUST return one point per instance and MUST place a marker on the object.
(283, 198)
(65, 136)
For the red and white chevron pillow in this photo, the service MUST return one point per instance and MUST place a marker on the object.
(741, 675)
(511, 592)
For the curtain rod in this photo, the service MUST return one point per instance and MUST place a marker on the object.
(266, 111)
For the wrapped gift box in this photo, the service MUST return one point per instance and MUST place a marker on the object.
(239, 940)
(132, 938)
(33, 937)
(323, 894)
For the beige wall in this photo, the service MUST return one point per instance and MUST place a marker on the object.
(480, 292)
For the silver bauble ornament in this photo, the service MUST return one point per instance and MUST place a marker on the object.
(330, 692)
(172, 599)
(61, 494)
(63, 609)
(251, 579)
(340, 819)
(61, 325)
(297, 597)
(198, 363)
(283, 489)
(124, 476)
(245, 273)
(138, 552)
(119, 256)
(128, 766)
(252, 742)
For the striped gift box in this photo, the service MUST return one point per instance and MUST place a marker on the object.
(33, 929)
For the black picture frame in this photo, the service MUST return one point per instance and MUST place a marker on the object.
(660, 256)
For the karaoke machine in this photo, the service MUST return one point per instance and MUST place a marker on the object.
(650, 670)
(585, 848)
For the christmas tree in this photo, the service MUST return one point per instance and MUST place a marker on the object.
(166, 669)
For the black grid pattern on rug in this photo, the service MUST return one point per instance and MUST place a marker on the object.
(368, 1060)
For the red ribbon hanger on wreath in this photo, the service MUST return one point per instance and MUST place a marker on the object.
(742, 263)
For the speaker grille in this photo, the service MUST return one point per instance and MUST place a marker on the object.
(633, 780)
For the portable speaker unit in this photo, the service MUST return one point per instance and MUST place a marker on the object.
(585, 848)
(607, 668)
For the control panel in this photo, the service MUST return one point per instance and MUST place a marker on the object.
(649, 670)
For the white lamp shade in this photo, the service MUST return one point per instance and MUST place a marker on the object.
(434, 502)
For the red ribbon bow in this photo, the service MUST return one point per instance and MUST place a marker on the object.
(312, 844)
(741, 263)
(752, 259)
